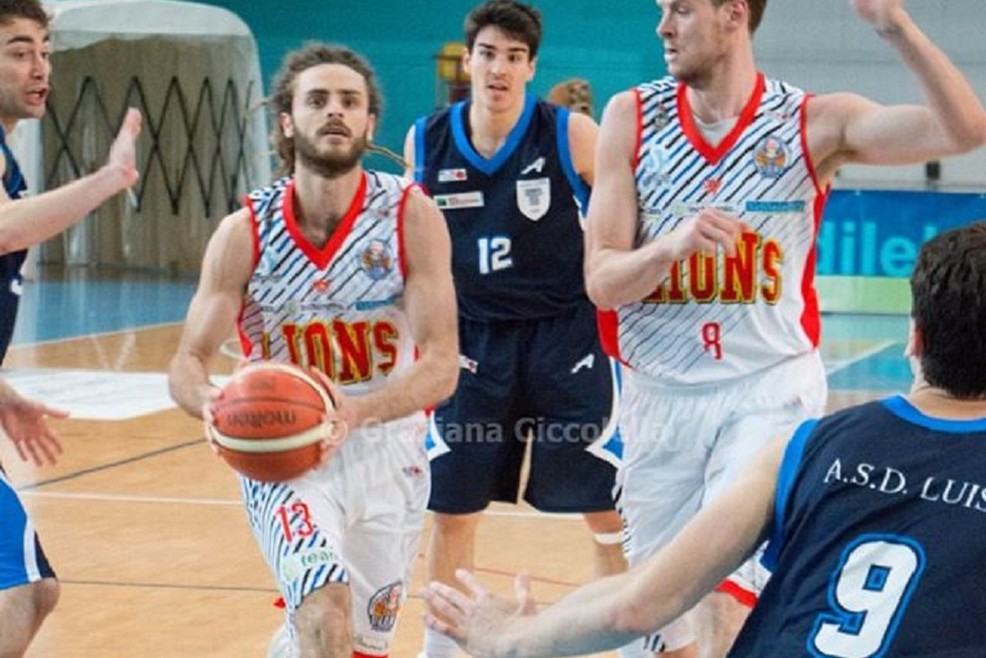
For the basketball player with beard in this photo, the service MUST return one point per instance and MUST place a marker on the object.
(345, 272)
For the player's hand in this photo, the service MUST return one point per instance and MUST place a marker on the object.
(25, 423)
(123, 151)
(884, 15)
(212, 395)
(705, 232)
(476, 620)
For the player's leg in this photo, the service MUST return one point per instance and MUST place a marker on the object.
(475, 456)
(28, 589)
(382, 544)
(299, 532)
(760, 413)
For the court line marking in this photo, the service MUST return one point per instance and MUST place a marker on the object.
(862, 356)
(98, 334)
(104, 467)
(178, 500)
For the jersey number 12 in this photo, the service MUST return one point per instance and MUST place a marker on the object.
(494, 254)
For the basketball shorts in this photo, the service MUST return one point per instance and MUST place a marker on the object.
(10, 296)
(545, 381)
(22, 560)
(356, 519)
(685, 445)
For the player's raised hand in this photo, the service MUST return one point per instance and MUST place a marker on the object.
(476, 620)
(123, 151)
(25, 422)
(705, 232)
(882, 14)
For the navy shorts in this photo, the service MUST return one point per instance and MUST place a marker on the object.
(21, 559)
(542, 381)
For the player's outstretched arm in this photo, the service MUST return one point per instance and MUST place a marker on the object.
(29, 221)
(429, 298)
(849, 128)
(25, 422)
(610, 612)
(226, 269)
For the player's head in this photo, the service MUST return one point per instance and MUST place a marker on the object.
(24, 64)
(574, 93)
(949, 311)
(502, 40)
(327, 105)
(699, 34)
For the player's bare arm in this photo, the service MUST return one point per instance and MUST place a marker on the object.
(32, 220)
(845, 127)
(226, 269)
(616, 272)
(429, 299)
(583, 134)
(610, 612)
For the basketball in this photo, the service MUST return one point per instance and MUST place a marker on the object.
(269, 420)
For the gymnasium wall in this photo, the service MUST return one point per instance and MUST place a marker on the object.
(868, 239)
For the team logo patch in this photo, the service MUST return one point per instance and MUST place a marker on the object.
(452, 175)
(661, 118)
(534, 197)
(376, 260)
(771, 157)
(384, 606)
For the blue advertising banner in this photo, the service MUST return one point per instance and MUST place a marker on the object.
(879, 233)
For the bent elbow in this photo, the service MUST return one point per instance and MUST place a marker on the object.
(447, 379)
(631, 619)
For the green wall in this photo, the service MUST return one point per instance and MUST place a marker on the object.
(613, 45)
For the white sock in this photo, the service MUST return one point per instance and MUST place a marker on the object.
(439, 646)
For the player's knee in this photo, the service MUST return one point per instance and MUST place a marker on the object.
(323, 621)
(46, 595)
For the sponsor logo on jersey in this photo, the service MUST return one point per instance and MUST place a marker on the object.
(712, 185)
(534, 197)
(320, 286)
(771, 157)
(585, 363)
(384, 605)
(461, 200)
(465, 363)
(661, 118)
(658, 159)
(775, 207)
(376, 260)
(452, 175)
(537, 166)
(295, 565)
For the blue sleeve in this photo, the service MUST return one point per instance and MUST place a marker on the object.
(579, 188)
(786, 476)
(419, 149)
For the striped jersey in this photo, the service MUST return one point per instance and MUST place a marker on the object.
(514, 218)
(878, 540)
(714, 318)
(338, 308)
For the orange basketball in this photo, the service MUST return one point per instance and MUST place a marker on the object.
(269, 421)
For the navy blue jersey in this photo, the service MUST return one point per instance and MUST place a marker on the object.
(10, 264)
(879, 540)
(514, 218)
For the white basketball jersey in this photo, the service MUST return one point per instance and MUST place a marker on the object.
(716, 318)
(338, 308)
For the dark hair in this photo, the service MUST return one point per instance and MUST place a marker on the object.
(949, 307)
(11, 10)
(519, 21)
(756, 9)
(296, 62)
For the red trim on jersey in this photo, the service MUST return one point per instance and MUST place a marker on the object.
(742, 595)
(809, 162)
(716, 153)
(811, 321)
(245, 345)
(401, 248)
(360, 654)
(639, 137)
(322, 257)
(608, 325)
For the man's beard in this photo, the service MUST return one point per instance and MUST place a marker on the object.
(329, 166)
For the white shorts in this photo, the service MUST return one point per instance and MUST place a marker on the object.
(357, 519)
(684, 445)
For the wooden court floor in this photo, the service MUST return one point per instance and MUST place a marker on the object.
(144, 527)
